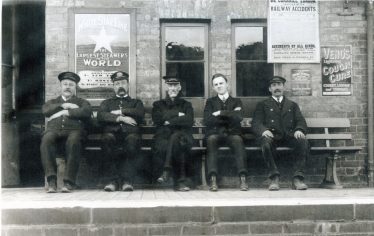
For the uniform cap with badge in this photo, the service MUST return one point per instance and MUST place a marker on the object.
(277, 79)
(70, 76)
(119, 75)
(171, 79)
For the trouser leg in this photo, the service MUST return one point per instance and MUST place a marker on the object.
(212, 149)
(48, 153)
(301, 152)
(236, 144)
(268, 148)
(111, 161)
(158, 157)
(131, 155)
(73, 149)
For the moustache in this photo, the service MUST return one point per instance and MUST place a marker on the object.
(121, 89)
(277, 90)
(67, 90)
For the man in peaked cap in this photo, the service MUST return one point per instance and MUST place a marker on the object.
(120, 117)
(278, 121)
(222, 116)
(66, 115)
(173, 117)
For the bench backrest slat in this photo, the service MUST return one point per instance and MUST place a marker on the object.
(328, 122)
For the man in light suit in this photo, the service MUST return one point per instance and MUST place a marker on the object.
(278, 121)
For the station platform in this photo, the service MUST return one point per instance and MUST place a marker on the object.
(31, 211)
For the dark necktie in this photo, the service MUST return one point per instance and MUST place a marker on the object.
(279, 103)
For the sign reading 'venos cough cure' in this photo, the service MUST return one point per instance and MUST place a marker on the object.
(336, 70)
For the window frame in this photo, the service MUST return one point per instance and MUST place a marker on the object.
(234, 25)
(164, 25)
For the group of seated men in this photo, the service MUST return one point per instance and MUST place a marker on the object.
(276, 121)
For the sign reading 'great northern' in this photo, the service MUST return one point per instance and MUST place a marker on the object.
(101, 48)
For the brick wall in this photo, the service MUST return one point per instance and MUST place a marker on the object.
(337, 220)
(334, 30)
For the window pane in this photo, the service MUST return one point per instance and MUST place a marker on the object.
(251, 78)
(191, 75)
(249, 43)
(184, 43)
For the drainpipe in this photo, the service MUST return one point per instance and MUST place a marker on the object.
(370, 26)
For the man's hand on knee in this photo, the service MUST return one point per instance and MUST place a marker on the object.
(299, 135)
(267, 134)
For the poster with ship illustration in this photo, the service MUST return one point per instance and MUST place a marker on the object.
(101, 48)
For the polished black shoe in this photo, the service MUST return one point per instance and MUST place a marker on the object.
(213, 184)
(183, 187)
(274, 183)
(164, 177)
(243, 183)
(52, 186)
(68, 187)
(298, 184)
(127, 187)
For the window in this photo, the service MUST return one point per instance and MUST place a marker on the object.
(185, 55)
(250, 67)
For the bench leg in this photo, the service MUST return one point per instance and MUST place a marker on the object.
(203, 176)
(331, 180)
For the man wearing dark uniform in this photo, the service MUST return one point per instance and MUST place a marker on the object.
(222, 116)
(66, 116)
(278, 121)
(173, 117)
(120, 117)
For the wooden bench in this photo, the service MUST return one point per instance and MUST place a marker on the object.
(327, 135)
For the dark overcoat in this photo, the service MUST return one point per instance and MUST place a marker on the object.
(129, 106)
(229, 120)
(78, 118)
(281, 122)
(168, 110)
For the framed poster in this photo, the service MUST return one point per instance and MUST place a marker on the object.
(336, 69)
(301, 82)
(102, 41)
(293, 31)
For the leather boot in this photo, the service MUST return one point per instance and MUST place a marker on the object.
(213, 184)
(274, 183)
(164, 177)
(298, 184)
(52, 185)
(243, 183)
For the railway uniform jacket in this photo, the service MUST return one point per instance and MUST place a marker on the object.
(78, 118)
(229, 120)
(281, 122)
(130, 107)
(166, 110)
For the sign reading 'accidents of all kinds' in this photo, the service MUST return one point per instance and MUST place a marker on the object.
(101, 48)
(336, 71)
(293, 31)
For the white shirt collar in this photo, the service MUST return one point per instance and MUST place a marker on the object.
(123, 96)
(280, 98)
(224, 96)
(64, 98)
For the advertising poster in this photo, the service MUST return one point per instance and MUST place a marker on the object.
(293, 31)
(101, 48)
(336, 70)
(301, 82)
